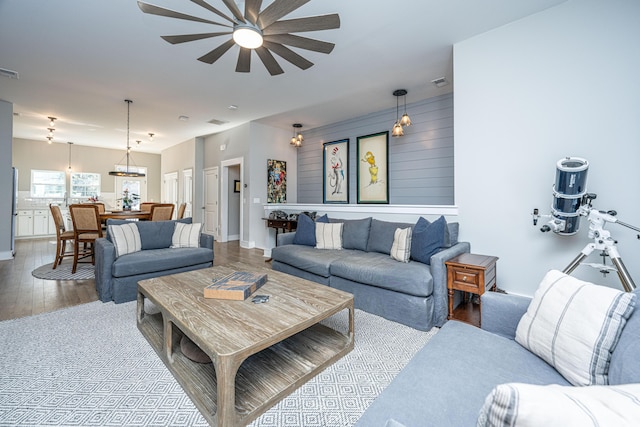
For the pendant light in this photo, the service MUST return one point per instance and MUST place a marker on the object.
(69, 168)
(297, 138)
(405, 120)
(127, 173)
(397, 130)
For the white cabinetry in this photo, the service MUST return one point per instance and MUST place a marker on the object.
(40, 222)
(25, 223)
(35, 222)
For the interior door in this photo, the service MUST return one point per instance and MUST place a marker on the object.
(187, 182)
(211, 201)
(135, 186)
(171, 190)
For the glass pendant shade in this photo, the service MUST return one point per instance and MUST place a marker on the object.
(405, 120)
(397, 130)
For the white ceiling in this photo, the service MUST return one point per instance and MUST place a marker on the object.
(78, 60)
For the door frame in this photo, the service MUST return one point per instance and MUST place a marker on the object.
(205, 172)
(224, 198)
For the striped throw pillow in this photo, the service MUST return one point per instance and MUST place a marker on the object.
(328, 236)
(401, 248)
(528, 405)
(186, 235)
(125, 238)
(574, 326)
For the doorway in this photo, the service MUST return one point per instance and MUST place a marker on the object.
(187, 192)
(134, 185)
(210, 207)
(171, 189)
(232, 212)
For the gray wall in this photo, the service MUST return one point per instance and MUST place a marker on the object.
(420, 162)
(563, 82)
(6, 180)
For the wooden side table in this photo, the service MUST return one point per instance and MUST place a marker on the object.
(470, 273)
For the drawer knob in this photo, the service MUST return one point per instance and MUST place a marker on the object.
(464, 278)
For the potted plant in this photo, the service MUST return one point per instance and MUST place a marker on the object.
(128, 199)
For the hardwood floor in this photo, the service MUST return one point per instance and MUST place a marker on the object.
(22, 295)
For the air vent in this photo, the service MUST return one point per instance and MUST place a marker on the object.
(440, 81)
(217, 122)
(8, 73)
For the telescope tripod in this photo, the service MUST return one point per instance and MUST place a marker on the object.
(604, 242)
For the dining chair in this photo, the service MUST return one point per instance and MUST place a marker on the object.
(62, 235)
(100, 206)
(181, 209)
(86, 229)
(161, 211)
(146, 206)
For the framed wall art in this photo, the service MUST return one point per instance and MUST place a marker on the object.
(373, 171)
(335, 178)
(236, 185)
(276, 181)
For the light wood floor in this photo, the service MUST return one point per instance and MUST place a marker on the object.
(21, 294)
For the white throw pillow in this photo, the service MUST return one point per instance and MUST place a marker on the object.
(528, 405)
(401, 248)
(574, 326)
(126, 238)
(328, 236)
(186, 235)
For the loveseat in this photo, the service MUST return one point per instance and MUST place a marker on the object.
(117, 276)
(466, 376)
(413, 293)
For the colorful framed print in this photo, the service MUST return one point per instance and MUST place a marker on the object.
(373, 171)
(335, 179)
(276, 181)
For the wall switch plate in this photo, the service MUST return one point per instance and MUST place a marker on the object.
(223, 147)
(256, 200)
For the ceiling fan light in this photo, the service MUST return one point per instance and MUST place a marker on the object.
(405, 120)
(247, 36)
(397, 130)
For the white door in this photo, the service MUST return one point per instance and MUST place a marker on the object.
(171, 190)
(211, 201)
(187, 182)
(135, 186)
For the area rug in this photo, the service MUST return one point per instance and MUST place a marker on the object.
(63, 272)
(89, 366)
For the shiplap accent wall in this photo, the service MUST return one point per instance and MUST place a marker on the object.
(420, 162)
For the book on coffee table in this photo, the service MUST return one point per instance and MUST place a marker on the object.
(235, 286)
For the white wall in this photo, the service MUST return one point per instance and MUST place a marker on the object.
(563, 82)
(6, 178)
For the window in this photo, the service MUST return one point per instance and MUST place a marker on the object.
(48, 183)
(84, 185)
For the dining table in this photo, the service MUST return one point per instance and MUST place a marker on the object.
(129, 214)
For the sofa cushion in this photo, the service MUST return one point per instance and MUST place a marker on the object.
(381, 270)
(517, 404)
(355, 232)
(624, 367)
(186, 235)
(401, 248)
(153, 260)
(574, 326)
(306, 258)
(328, 236)
(153, 234)
(306, 230)
(428, 238)
(126, 238)
(381, 235)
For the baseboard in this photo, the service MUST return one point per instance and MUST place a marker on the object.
(247, 244)
(267, 253)
(233, 237)
(5, 255)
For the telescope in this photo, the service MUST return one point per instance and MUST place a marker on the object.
(571, 202)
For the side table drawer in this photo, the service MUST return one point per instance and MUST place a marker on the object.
(467, 280)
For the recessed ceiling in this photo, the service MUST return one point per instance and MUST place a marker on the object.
(78, 60)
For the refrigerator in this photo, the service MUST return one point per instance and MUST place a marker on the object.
(14, 210)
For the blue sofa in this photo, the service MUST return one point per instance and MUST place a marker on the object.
(413, 293)
(447, 381)
(117, 277)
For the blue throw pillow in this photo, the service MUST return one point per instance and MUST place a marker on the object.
(306, 230)
(427, 239)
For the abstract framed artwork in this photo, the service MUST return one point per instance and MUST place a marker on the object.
(335, 179)
(276, 181)
(373, 170)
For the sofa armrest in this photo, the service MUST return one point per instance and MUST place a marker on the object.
(439, 274)
(285, 238)
(105, 255)
(206, 241)
(501, 313)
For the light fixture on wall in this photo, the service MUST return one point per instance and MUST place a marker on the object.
(52, 121)
(297, 138)
(69, 168)
(127, 172)
(400, 121)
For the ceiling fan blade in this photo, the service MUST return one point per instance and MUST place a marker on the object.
(289, 55)
(252, 10)
(277, 10)
(299, 25)
(269, 61)
(233, 7)
(161, 11)
(301, 42)
(244, 61)
(216, 53)
(207, 6)
(183, 38)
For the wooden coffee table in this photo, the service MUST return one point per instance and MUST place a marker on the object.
(260, 352)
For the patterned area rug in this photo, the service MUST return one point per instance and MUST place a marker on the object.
(90, 366)
(63, 272)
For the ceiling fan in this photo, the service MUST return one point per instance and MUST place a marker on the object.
(266, 32)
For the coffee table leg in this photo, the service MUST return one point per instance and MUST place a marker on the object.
(168, 339)
(226, 370)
